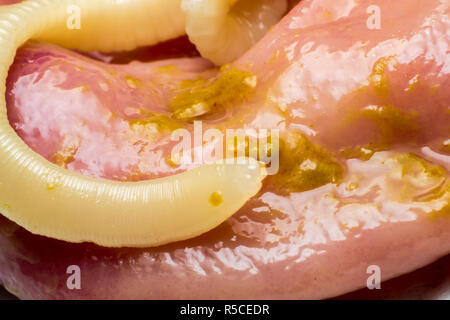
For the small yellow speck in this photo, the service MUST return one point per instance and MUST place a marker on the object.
(352, 186)
(51, 185)
(83, 88)
(174, 160)
(168, 69)
(251, 81)
(275, 56)
(216, 199)
(52, 182)
(132, 82)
